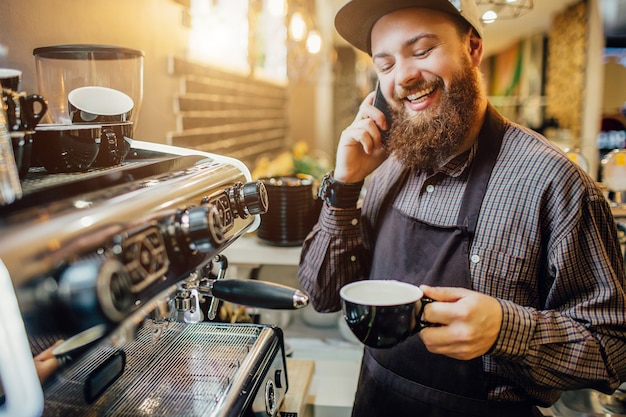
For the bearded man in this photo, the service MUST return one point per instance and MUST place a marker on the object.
(514, 242)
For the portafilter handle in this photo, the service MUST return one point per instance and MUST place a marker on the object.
(260, 294)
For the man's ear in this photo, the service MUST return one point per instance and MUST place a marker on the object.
(475, 48)
(475, 44)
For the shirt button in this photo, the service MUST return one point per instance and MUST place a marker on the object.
(353, 258)
(475, 259)
(430, 188)
(354, 222)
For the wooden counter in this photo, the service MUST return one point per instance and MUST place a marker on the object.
(299, 375)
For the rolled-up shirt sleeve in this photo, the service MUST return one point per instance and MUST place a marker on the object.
(331, 256)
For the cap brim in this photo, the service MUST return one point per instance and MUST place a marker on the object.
(355, 20)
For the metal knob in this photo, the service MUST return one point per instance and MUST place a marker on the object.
(249, 198)
(95, 287)
(200, 228)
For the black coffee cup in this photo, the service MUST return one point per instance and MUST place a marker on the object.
(66, 148)
(115, 142)
(383, 313)
(33, 108)
(24, 111)
(11, 78)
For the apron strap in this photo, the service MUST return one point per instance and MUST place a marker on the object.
(490, 140)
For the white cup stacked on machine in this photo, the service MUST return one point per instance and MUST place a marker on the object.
(110, 108)
(95, 94)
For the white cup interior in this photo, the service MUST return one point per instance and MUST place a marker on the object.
(100, 100)
(380, 292)
(9, 72)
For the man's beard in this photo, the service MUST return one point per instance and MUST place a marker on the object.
(429, 139)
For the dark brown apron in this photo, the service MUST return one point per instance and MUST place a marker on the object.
(407, 380)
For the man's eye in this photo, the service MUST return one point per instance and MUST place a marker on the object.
(423, 52)
(384, 67)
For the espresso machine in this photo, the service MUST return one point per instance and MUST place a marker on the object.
(120, 269)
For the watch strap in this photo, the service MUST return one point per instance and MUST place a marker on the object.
(339, 194)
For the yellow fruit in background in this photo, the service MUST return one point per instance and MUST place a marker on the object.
(300, 149)
(261, 168)
(299, 161)
(282, 165)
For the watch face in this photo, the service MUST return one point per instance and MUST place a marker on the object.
(325, 185)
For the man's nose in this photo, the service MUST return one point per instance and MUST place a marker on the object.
(408, 72)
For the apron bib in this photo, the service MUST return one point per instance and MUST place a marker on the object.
(407, 379)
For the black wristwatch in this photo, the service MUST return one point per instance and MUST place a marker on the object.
(339, 194)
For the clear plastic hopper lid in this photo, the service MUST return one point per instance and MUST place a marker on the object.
(63, 68)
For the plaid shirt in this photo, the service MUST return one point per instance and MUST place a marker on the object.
(545, 246)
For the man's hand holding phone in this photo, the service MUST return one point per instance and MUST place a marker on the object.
(361, 149)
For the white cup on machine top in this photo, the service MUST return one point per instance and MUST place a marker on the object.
(112, 110)
(94, 104)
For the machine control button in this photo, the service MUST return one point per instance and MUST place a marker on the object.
(277, 378)
(95, 285)
(270, 398)
(198, 229)
(255, 197)
(222, 204)
(249, 198)
(144, 255)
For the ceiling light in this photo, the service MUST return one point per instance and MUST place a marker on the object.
(297, 27)
(277, 7)
(503, 9)
(489, 16)
(314, 42)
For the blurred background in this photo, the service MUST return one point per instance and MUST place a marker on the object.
(254, 79)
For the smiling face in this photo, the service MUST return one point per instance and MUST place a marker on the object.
(427, 66)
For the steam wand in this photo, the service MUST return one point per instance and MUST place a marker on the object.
(246, 292)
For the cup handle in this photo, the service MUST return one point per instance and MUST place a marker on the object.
(422, 324)
(32, 117)
(109, 145)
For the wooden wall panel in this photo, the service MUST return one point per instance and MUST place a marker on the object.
(228, 113)
(566, 68)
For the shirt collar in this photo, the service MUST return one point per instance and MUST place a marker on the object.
(457, 165)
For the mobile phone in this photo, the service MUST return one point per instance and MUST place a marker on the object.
(381, 104)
